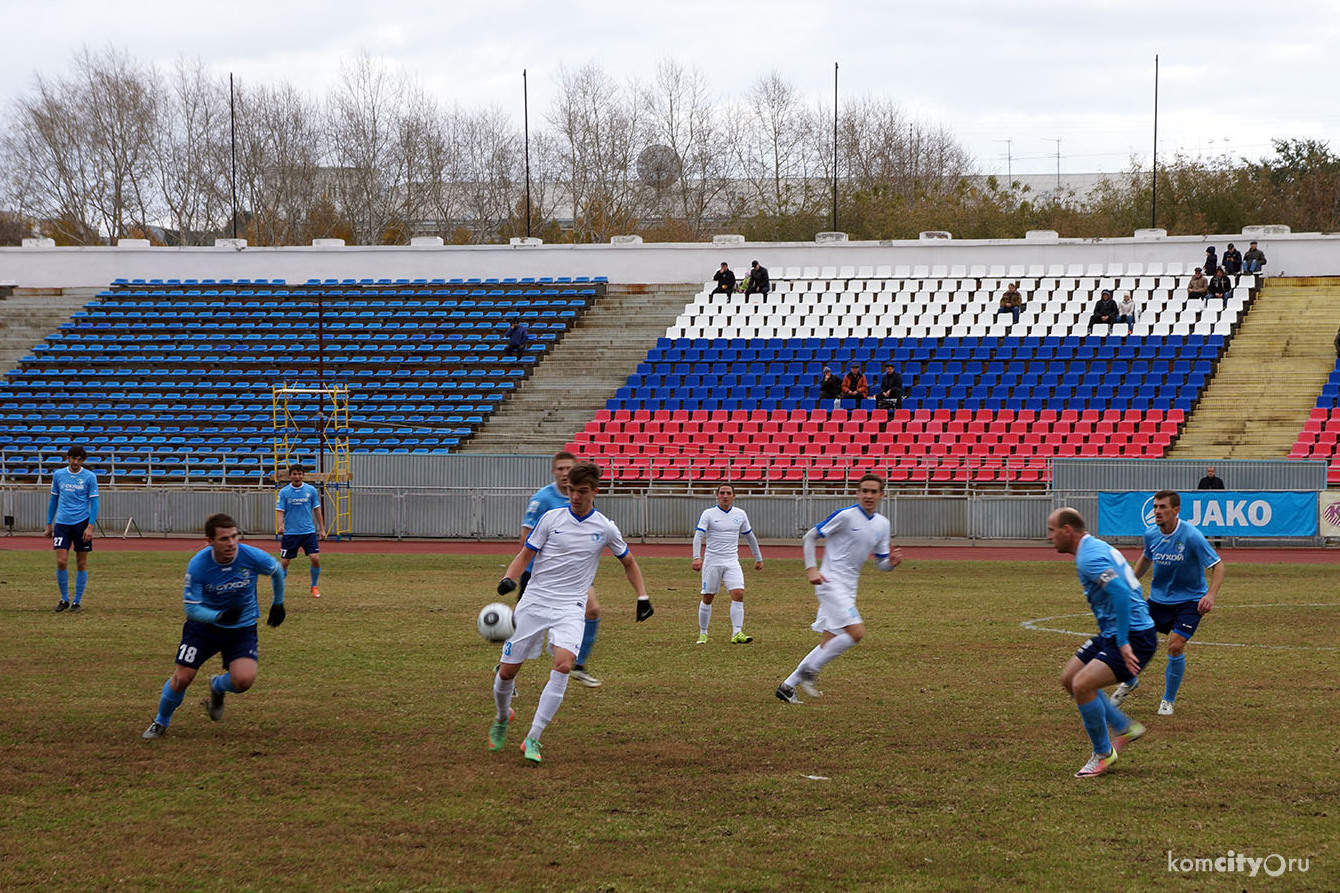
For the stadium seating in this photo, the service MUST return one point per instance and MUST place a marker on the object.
(731, 389)
(173, 379)
(1318, 439)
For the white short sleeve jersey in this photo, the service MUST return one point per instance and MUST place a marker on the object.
(850, 537)
(721, 533)
(569, 550)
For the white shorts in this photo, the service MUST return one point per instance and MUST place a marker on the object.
(563, 623)
(727, 572)
(837, 609)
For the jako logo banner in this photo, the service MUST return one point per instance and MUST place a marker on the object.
(1216, 513)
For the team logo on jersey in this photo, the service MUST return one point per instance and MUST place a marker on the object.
(597, 537)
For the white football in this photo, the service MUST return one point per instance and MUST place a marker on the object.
(496, 623)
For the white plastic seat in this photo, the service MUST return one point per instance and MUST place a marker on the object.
(1176, 268)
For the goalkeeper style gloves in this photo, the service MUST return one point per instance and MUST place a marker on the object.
(228, 615)
(277, 615)
(644, 609)
(506, 585)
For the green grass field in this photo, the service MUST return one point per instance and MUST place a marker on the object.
(940, 757)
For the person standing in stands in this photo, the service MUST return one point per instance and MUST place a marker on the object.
(300, 523)
(725, 280)
(758, 280)
(517, 336)
(830, 388)
(854, 385)
(71, 515)
(1211, 261)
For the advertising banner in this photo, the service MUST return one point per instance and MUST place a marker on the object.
(1218, 513)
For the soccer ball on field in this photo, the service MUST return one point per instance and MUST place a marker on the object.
(496, 623)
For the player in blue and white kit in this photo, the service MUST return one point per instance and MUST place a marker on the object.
(565, 546)
(1178, 593)
(1123, 646)
(721, 527)
(300, 523)
(71, 516)
(850, 536)
(221, 616)
(547, 499)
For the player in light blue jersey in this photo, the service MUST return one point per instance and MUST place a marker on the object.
(1179, 595)
(850, 535)
(1123, 646)
(72, 514)
(547, 499)
(565, 547)
(300, 523)
(221, 616)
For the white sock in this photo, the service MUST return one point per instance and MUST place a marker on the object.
(807, 663)
(736, 616)
(550, 700)
(503, 689)
(820, 656)
(704, 617)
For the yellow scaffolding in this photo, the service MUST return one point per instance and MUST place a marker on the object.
(298, 413)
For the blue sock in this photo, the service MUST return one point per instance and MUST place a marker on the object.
(1115, 718)
(223, 684)
(1172, 677)
(588, 640)
(63, 581)
(170, 701)
(80, 581)
(1095, 723)
(316, 573)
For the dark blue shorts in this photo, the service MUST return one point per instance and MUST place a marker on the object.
(1103, 648)
(1181, 618)
(289, 544)
(201, 641)
(71, 536)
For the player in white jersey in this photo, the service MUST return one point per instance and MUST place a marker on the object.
(565, 545)
(851, 535)
(721, 527)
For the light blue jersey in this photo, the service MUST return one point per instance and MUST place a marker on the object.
(298, 505)
(1179, 559)
(1113, 591)
(75, 496)
(212, 587)
(545, 500)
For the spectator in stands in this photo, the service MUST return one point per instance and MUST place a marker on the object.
(1011, 302)
(1254, 261)
(1199, 286)
(1211, 481)
(1126, 311)
(725, 280)
(1211, 261)
(830, 388)
(1337, 344)
(1105, 311)
(854, 385)
(517, 336)
(758, 280)
(1232, 260)
(890, 393)
(1220, 285)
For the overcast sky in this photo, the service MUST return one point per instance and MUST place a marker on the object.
(1233, 74)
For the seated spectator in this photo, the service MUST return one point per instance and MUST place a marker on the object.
(1232, 260)
(517, 336)
(854, 386)
(1126, 311)
(1105, 311)
(758, 280)
(1211, 261)
(1199, 286)
(1220, 285)
(725, 280)
(830, 388)
(1254, 261)
(1337, 344)
(890, 393)
(1011, 302)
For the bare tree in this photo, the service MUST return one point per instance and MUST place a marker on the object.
(365, 111)
(280, 179)
(190, 153)
(774, 149)
(695, 169)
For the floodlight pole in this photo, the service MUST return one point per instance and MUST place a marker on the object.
(232, 134)
(1154, 177)
(835, 145)
(525, 117)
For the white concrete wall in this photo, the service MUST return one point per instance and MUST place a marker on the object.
(1295, 254)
